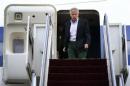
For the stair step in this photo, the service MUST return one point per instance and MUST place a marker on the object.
(78, 72)
(79, 83)
(78, 69)
(80, 62)
(77, 76)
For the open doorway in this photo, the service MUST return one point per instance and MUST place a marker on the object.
(92, 16)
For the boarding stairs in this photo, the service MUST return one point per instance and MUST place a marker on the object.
(89, 72)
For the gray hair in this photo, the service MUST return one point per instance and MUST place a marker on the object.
(74, 9)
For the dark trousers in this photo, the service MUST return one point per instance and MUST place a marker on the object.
(74, 52)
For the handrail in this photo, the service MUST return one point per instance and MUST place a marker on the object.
(121, 80)
(34, 80)
(48, 57)
(27, 46)
(125, 55)
(109, 51)
(27, 42)
(46, 53)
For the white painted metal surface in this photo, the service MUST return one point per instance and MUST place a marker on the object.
(19, 20)
(38, 47)
(115, 34)
(3, 84)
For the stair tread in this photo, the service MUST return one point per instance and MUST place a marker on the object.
(77, 69)
(77, 76)
(80, 66)
(78, 83)
(83, 62)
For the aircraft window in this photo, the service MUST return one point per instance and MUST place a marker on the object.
(18, 46)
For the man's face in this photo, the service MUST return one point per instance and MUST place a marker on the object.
(74, 15)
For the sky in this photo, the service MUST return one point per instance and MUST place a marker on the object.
(117, 10)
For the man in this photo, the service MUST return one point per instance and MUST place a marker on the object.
(77, 36)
